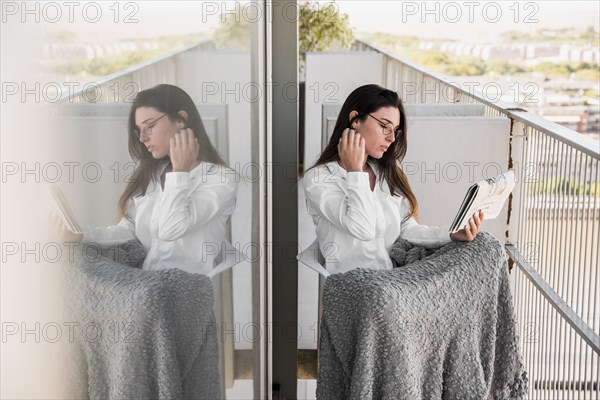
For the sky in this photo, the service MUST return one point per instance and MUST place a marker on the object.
(467, 20)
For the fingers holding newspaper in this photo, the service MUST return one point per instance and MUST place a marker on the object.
(60, 231)
(470, 230)
(63, 224)
(489, 195)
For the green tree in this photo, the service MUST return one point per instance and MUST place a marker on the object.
(588, 74)
(553, 69)
(322, 28)
(503, 67)
(234, 32)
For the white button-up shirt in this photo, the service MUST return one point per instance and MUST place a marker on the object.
(356, 227)
(182, 226)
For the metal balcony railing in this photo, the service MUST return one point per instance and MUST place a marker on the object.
(552, 233)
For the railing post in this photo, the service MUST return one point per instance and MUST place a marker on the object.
(515, 160)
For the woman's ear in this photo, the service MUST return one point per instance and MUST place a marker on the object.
(183, 117)
(353, 114)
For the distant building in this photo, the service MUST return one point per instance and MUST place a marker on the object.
(528, 53)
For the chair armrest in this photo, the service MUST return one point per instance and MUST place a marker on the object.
(313, 259)
(228, 258)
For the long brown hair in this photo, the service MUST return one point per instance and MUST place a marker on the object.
(167, 99)
(368, 99)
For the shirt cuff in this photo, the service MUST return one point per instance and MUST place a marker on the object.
(445, 233)
(177, 179)
(356, 178)
(87, 233)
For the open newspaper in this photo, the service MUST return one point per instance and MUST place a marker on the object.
(64, 210)
(488, 195)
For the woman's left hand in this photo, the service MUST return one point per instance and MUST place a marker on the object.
(470, 230)
(184, 150)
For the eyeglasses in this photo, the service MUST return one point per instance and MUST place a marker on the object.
(387, 128)
(147, 130)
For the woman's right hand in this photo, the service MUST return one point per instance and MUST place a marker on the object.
(351, 149)
(184, 150)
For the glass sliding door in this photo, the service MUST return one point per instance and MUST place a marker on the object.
(92, 64)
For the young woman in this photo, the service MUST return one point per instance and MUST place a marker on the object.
(359, 198)
(180, 195)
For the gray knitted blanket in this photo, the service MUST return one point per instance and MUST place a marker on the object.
(146, 334)
(439, 326)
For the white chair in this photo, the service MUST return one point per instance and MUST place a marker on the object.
(228, 258)
(222, 277)
(313, 259)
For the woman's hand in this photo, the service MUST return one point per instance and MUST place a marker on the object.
(351, 149)
(184, 150)
(470, 230)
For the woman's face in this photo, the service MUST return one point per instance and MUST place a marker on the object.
(156, 130)
(376, 143)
